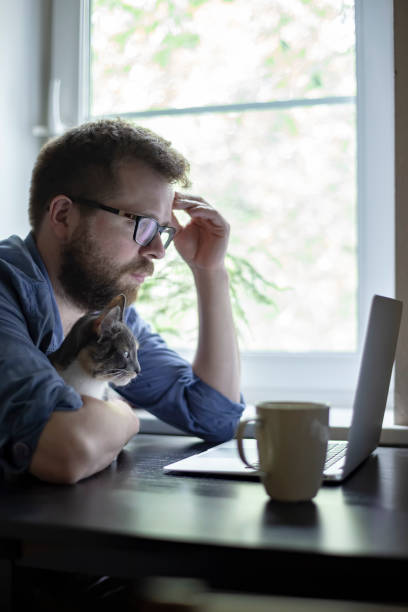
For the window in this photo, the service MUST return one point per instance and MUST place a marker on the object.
(262, 97)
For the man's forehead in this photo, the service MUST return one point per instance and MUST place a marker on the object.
(144, 190)
(136, 170)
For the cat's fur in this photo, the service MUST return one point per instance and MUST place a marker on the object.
(99, 349)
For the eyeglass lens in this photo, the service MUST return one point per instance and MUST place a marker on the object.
(147, 230)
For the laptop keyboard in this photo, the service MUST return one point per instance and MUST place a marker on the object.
(335, 451)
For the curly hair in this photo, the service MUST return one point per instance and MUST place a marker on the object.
(84, 160)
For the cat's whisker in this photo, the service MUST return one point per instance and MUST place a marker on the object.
(116, 371)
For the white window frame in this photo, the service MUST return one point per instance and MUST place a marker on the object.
(316, 375)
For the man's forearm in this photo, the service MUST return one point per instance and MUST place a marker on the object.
(77, 444)
(217, 358)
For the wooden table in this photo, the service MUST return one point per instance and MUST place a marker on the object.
(132, 520)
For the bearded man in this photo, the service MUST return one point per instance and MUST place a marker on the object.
(102, 204)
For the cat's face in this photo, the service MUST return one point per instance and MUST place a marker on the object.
(113, 358)
(112, 354)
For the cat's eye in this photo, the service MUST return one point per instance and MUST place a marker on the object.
(126, 354)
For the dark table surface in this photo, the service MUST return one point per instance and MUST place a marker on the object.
(134, 520)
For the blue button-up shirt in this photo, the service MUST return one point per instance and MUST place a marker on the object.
(31, 389)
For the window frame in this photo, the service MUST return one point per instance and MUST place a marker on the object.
(273, 375)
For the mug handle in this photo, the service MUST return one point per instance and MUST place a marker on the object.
(239, 434)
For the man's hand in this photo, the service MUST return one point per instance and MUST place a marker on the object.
(203, 242)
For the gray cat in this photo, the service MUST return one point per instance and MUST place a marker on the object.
(99, 349)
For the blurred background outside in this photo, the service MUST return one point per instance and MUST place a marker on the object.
(260, 97)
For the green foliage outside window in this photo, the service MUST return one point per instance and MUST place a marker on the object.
(168, 297)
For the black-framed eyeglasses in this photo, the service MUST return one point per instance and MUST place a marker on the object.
(146, 228)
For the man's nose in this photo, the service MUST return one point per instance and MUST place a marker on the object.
(154, 249)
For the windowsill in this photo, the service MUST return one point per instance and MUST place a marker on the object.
(340, 418)
(391, 434)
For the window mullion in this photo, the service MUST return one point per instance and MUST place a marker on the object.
(236, 108)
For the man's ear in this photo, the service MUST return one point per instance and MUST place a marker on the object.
(63, 216)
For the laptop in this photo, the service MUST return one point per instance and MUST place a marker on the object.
(370, 399)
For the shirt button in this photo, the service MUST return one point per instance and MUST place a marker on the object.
(21, 454)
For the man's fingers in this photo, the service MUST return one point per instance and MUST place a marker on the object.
(188, 196)
(197, 207)
(202, 213)
(207, 215)
(186, 204)
(184, 201)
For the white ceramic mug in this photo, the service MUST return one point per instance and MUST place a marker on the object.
(292, 443)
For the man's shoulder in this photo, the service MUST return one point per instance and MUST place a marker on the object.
(16, 259)
(140, 328)
(132, 318)
(23, 284)
(26, 293)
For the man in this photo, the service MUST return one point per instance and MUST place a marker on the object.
(102, 204)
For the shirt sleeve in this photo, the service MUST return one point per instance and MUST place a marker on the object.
(168, 388)
(30, 389)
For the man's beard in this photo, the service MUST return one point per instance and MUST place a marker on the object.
(89, 279)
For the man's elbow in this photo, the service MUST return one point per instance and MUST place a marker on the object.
(64, 474)
(63, 465)
(221, 433)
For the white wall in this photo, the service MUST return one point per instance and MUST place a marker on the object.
(24, 69)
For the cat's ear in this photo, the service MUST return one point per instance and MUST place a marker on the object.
(118, 302)
(111, 314)
(121, 302)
